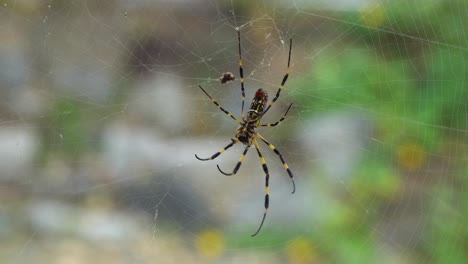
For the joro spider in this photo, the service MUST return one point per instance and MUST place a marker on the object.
(246, 132)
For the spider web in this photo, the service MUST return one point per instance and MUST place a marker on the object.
(101, 115)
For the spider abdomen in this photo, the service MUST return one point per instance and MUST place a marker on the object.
(258, 104)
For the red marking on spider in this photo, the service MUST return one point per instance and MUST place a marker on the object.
(260, 93)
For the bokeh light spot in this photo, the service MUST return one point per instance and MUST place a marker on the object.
(372, 14)
(210, 243)
(410, 156)
(300, 250)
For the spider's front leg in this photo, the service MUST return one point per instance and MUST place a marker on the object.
(245, 135)
(239, 163)
(267, 184)
(285, 166)
(234, 141)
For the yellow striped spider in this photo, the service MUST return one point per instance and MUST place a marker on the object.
(246, 132)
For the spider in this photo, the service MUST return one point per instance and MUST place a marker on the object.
(246, 132)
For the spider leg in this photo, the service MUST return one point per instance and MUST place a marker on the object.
(237, 165)
(241, 74)
(267, 183)
(234, 141)
(285, 78)
(279, 121)
(220, 108)
(285, 166)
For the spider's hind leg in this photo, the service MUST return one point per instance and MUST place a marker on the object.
(279, 121)
(241, 74)
(283, 82)
(220, 107)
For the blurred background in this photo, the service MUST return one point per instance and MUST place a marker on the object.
(101, 115)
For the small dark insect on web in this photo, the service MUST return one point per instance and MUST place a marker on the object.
(227, 76)
(246, 133)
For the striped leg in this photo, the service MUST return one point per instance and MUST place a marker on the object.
(237, 165)
(241, 73)
(267, 183)
(285, 78)
(219, 106)
(234, 141)
(281, 158)
(277, 122)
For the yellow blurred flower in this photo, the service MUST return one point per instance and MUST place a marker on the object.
(372, 14)
(300, 250)
(411, 156)
(210, 243)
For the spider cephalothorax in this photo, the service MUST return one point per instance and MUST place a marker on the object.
(246, 132)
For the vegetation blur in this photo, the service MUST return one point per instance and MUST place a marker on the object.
(101, 115)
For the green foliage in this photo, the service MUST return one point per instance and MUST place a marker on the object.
(356, 79)
(414, 88)
(375, 179)
(445, 93)
(67, 131)
(446, 232)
